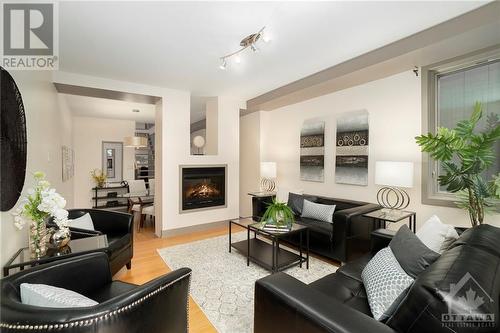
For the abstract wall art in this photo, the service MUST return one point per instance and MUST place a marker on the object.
(351, 161)
(312, 150)
(68, 160)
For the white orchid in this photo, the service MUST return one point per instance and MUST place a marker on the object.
(41, 202)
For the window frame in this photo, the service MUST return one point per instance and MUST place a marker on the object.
(430, 187)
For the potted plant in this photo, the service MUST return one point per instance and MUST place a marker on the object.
(465, 152)
(99, 177)
(278, 213)
(41, 203)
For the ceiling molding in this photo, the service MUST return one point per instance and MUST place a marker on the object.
(104, 93)
(466, 33)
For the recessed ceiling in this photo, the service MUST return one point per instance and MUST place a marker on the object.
(84, 106)
(178, 44)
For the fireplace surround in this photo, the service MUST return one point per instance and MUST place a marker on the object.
(202, 187)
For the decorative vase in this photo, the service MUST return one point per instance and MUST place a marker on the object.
(37, 239)
(60, 238)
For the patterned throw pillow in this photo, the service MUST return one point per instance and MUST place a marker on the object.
(385, 281)
(318, 211)
(53, 297)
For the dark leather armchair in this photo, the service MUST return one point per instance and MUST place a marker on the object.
(160, 305)
(118, 227)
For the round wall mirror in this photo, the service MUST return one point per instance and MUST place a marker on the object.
(13, 141)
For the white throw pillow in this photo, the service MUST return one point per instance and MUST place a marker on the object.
(53, 297)
(385, 282)
(318, 211)
(82, 222)
(436, 235)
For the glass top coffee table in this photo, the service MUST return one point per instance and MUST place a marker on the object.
(22, 259)
(263, 246)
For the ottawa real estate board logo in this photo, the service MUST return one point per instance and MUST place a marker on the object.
(469, 305)
(30, 36)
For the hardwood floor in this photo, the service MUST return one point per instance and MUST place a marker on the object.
(147, 265)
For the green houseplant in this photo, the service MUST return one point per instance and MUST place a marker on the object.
(465, 153)
(278, 213)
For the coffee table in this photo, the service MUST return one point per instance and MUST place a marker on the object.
(22, 259)
(263, 247)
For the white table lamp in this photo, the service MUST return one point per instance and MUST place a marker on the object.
(393, 176)
(268, 175)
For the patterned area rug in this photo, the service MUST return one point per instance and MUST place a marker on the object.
(222, 284)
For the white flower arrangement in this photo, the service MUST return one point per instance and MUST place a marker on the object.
(42, 202)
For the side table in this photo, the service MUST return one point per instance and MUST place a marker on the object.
(22, 259)
(260, 201)
(382, 216)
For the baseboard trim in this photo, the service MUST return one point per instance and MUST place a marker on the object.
(194, 228)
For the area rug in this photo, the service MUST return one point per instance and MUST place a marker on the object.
(222, 284)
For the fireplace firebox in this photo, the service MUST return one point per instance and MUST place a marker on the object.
(202, 187)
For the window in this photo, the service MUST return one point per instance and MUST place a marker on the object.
(450, 90)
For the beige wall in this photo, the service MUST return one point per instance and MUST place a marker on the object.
(249, 160)
(88, 135)
(49, 126)
(394, 108)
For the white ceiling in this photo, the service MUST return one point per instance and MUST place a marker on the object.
(84, 106)
(178, 44)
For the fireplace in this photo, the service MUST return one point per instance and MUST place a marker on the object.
(202, 187)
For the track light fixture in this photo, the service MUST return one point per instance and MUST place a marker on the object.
(223, 65)
(249, 41)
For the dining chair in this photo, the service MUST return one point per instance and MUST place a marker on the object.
(151, 186)
(137, 187)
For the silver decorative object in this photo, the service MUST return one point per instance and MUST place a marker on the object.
(60, 238)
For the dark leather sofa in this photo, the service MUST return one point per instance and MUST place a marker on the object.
(160, 305)
(118, 228)
(338, 302)
(347, 237)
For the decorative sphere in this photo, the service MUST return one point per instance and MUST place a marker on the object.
(198, 141)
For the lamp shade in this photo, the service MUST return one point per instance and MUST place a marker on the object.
(397, 174)
(268, 170)
(135, 141)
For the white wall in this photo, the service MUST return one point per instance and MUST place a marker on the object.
(48, 123)
(88, 135)
(249, 160)
(394, 108)
(176, 146)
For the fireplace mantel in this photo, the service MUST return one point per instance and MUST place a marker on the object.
(202, 187)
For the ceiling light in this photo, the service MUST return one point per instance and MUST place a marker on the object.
(223, 65)
(266, 38)
(249, 41)
(135, 142)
